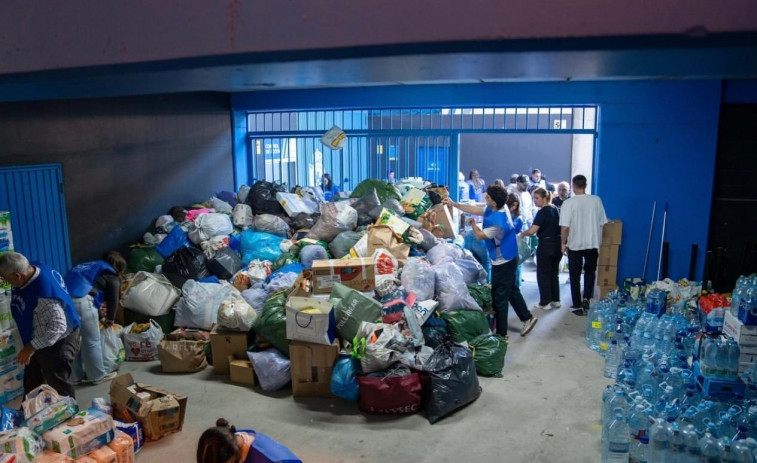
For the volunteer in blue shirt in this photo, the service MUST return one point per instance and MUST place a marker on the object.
(223, 444)
(330, 191)
(499, 236)
(46, 320)
(93, 285)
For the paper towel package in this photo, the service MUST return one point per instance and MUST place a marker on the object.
(84, 432)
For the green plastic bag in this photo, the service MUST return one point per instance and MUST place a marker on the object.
(351, 308)
(489, 354)
(143, 259)
(384, 190)
(298, 245)
(465, 325)
(420, 208)
(285, 259)
(482, 294)
(271, 323)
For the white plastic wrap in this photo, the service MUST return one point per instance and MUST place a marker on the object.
(22, 443)
(418, 276)
(451, 290)
(206, 226)
(150, 294)
(198, 306)
(235, 313)
(272, 369)
(242, 216)
(38, 399)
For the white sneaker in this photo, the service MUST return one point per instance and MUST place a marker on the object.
(107, 377)
(555, 305)
(542, 307)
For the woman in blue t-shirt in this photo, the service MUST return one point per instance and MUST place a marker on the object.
(330, 191)
(223, 444)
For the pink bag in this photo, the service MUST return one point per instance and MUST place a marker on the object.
(194, 213)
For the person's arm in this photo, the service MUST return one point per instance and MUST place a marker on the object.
(470, 209)
(477, 232)
(111, 285)
(564, 231)
(531, 231)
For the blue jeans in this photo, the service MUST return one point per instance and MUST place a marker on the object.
(89, 363)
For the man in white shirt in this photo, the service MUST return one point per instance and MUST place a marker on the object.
(581, 219)
(527, 210)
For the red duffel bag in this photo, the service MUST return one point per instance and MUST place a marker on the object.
(390, 395)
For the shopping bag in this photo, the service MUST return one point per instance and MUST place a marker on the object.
(310, 320)
(390, 394)
(114, 353)
(352, 307)
(142, 346)
(182, 356)
(150, 294)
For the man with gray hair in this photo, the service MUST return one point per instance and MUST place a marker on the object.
(46, 320)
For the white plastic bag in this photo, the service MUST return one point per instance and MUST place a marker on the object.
(256, 296)
(334, 220)
(242, 216)
(335, 138)
(206, 226)
(272, 369)
(272, 224)
(385, 350)
(150, 294)
(244, 190)
(451, 290)
(114, 353)
(444, 252)
(280, 281)
(259, 270)
(38, 399)
(142, 347)
(473, 272)
(312, 252)
(418, 276)
(198, 306)
(221, 206)
(235, 313)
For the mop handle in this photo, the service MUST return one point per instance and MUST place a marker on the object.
(649, 240)
(662, 239)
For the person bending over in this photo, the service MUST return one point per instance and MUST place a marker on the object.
(223, 444)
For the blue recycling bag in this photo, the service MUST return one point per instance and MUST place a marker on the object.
(343, 378)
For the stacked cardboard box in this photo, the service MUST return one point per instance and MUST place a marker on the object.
(311, 366)
(607, 265)
(745, 336)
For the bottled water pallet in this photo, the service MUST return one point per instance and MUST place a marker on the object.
(723, 389)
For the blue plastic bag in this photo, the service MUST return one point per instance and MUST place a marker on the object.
(343, 381)
(259, 245)
(176, 239)
(10, 419)
(228, 196)
(234, 242)
(479, 251)
(209, 279)
(295, 267)
(312, 252)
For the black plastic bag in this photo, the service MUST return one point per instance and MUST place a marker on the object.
(366, 202)
(302, 221)
(434, 331)
(225, 263)
(453, 381)
(262, 198)
(185, 264)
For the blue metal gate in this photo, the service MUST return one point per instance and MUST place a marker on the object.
(34, 197)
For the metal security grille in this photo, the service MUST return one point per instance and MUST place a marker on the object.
(285, 146)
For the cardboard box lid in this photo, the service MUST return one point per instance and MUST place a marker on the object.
(329, 264)
(161, 398)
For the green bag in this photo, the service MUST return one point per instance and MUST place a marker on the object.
(465, 325)
(421, 208)
(352, 307)
(489, 354)
(271, 323)
(143, 259)
(482, 294)
(298, 245)
(384, 190)
(285, 259)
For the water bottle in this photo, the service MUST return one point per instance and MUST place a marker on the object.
(594, 324)
(742, 452)
(736, 295)
(733, 359)
(708, 446)
(658, 442)
(616, 401)
(608, 392)
(640, 420)
(618, 444)
(692, 452)
(612, 359)
(676, 449)
(724, 446)
(639, 451)
(710, 363)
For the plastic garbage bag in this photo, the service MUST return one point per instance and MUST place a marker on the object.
(213, 245)
(258, 270)
(343, 381)
(114, 353)
(312, 252)
(220, 206)
(271, 368)
(379, 345)
(242, 216)
(281, 281)
(416, 358)
(489, 354)
(150, 294)
(383, 189)
(473, 272)
(143, 259)
(256, 297)
(524, 248)
(198, 306)
(418, 277)
(453, 381)
(465, 325)
(285, 259)
(272, 224)
(451, 291)
(333, 222)
(478, 249)
(444, 252)
(302, 221)
(153, 239)
(236, 314)
(434, 331)
(351, 308)
(185, 264)
(259, 245)
(209, 225)
(271, 322)
(142, 346)
(391, 205)
(366, 203)
(482, 294)
(429, 240)
(242, 194)
(341, 245)
(225, 263)
(262, 198)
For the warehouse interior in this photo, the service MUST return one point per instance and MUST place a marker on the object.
(145, 106)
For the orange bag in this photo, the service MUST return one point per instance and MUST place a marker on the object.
(103, 455)
(123, 445)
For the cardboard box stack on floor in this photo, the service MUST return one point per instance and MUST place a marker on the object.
(745, 336)
(607, 265)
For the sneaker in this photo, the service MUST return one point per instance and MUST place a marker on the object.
(542, 307)
(78, 382)
(555, 305)
(107, 377)
(578, 311)
(528, 325)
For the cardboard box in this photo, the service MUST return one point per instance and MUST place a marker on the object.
(601, 291)
(744, 335)
(607, 275)
(224, 344)
(356, 273)
(311, 367)
(445, 219)
(608, 255)
(158, 411)
(241, 372)
(612, 232)
(303, 285)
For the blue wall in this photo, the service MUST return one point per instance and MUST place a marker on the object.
(657, 142)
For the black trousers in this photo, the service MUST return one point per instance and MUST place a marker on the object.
(504, 292)
(586, 259)
(52, 365)
(548, 255)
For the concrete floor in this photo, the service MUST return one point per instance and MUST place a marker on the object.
(544, 409)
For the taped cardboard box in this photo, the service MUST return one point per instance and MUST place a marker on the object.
(241, 371)
(607, 275)
(744, 335)
(160, 412)
(311, 367)
(444, 220)
(356, 273)
(224, 344)
(608, 255)
(612, 232)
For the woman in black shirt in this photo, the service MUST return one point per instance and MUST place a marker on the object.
(548, 253)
